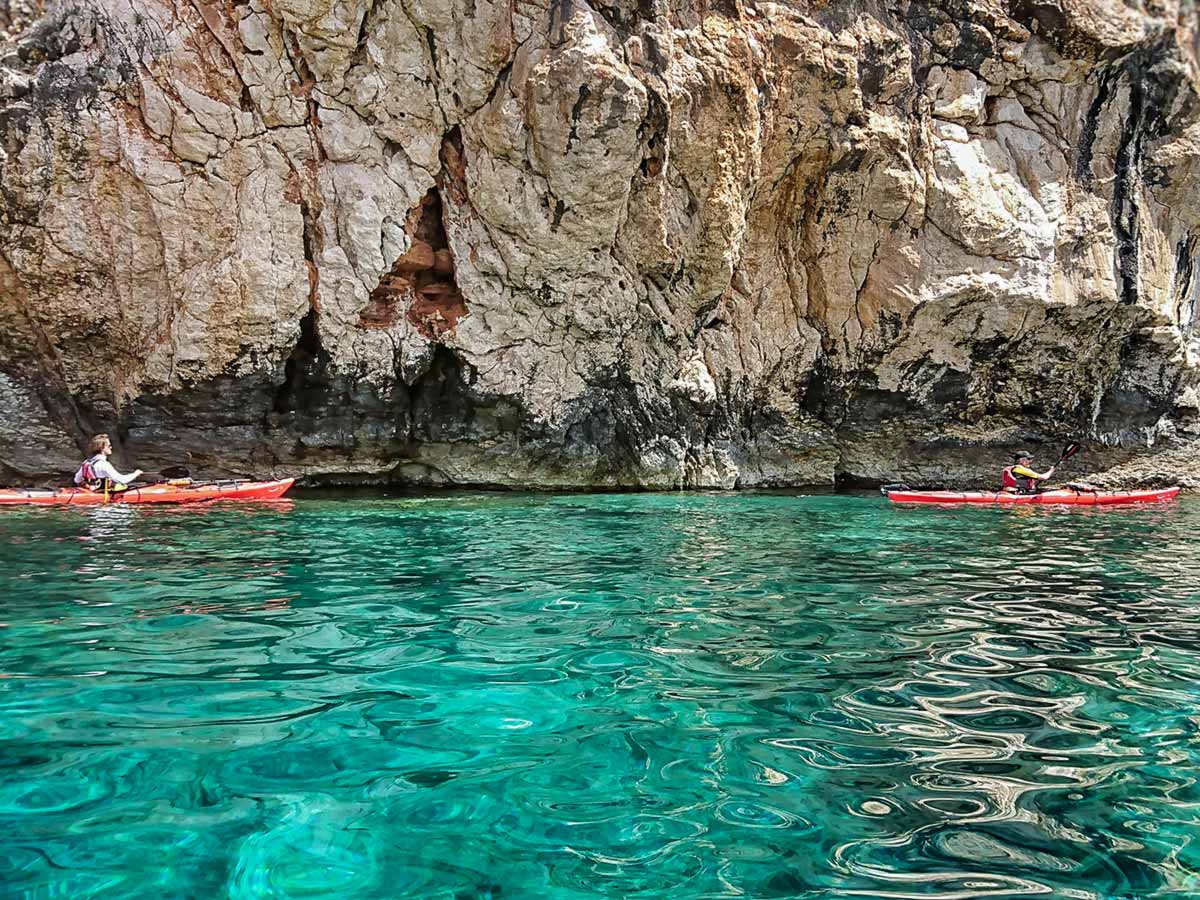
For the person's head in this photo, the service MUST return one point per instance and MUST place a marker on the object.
(1023, 457)
(100, 444)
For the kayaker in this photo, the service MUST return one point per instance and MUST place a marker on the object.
(96, 472)
(1019, 478)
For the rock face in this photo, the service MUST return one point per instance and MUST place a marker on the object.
(664, 243)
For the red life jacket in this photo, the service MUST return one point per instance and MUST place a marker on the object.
(87, 471)
(1010, 481)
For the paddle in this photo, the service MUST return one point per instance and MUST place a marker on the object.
(169, 473)
(1068, 451)
(180, 476)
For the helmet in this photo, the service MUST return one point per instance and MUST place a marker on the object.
(1022, 454)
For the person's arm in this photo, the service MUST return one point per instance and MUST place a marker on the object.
(1023, 472)
(104, 469)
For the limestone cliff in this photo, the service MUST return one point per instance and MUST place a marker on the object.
(652, 243)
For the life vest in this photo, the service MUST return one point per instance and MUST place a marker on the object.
(87, 472)
(1010, 481)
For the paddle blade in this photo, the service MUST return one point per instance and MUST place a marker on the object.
(1068, 451)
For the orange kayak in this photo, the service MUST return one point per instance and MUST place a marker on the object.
(197, 492)
(1067, 497)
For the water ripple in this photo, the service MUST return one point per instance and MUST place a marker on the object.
(498, 696)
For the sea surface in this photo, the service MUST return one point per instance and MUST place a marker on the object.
(675, 695)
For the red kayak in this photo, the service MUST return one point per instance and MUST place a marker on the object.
(1066, 497)
(187, 492)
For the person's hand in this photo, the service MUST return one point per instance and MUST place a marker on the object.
(136, 475)
(1050, 471)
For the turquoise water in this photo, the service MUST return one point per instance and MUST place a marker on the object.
(683, 696)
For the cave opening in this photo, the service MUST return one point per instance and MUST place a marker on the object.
(304, 369)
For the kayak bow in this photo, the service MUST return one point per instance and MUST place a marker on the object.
(1068, 497)
(153, 493)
